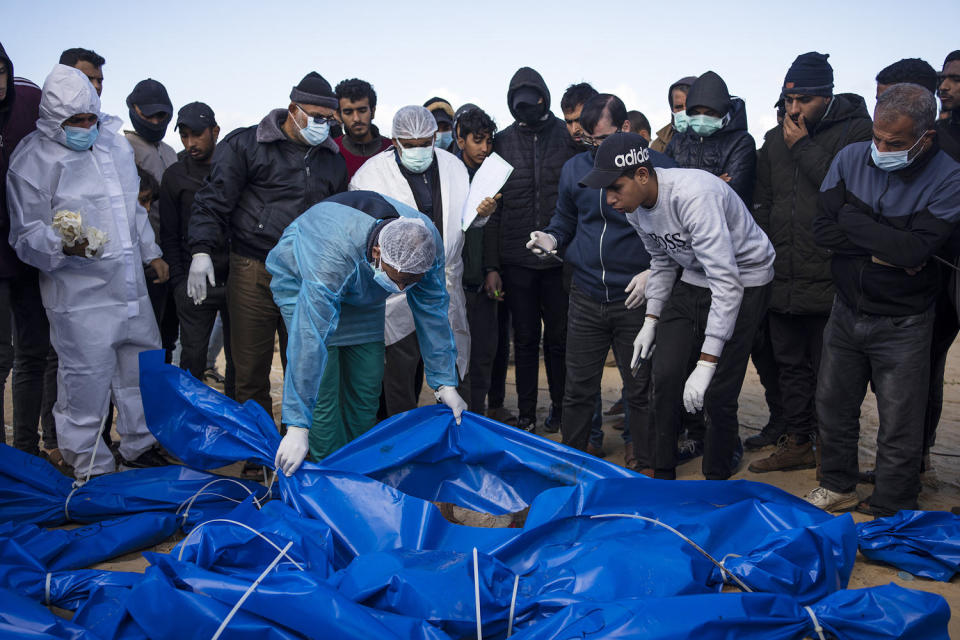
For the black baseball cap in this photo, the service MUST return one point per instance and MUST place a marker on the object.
(619, 152)
(196, 116)
(151, 97)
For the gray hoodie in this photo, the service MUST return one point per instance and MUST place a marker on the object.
(702, 225)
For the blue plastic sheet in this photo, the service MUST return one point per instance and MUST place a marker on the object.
(924, 543)
(21, 617)
(32, 491)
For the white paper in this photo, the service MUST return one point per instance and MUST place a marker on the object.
(487, 182)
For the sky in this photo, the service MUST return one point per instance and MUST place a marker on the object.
(243, 57)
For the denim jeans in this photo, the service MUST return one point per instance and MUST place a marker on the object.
(892, 353)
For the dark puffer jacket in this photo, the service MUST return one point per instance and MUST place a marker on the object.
(530, 195)
(260, 182)
(731, 150)
(19, 111)
(785, 203)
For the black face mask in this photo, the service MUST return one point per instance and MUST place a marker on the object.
(530, 114)
(147, 130)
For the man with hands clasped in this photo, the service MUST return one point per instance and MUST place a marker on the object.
(695, 226)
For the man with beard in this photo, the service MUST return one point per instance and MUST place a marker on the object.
(87, 61)
(948, 129)
(361, 139)
(181, 181)
(537, 145)
(571, 104)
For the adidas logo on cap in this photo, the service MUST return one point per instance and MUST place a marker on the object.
(632, 158)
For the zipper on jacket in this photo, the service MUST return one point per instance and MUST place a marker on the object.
(536, 182)
(603, 267)
(793, 221)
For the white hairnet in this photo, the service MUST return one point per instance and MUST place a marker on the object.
(413, 122)
(407, 245)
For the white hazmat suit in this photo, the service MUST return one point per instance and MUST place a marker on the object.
(99, 311)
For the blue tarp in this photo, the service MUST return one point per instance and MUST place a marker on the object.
(924, 543)
(603, 552)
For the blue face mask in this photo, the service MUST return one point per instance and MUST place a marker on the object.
(706, 126)
(315, 132)
(384, 280)
(416, 159)
(681, 121)
(444, 138)
(893, 160)
(80, 139)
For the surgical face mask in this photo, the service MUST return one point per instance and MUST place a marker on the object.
(384, 280)
(416, 159)
(80, 139)
(316, 131)
(893, 160)
(706, 126)
(444, 138)
(681, 121)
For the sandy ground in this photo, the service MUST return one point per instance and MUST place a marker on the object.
(941, 489)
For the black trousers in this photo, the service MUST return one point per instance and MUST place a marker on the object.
(25, 346)
(797, 345)
(402, 376)
(501, 360)
(680, 335)
(893, 353)
(165, 311)
(536, 298)
(196, 324)
(592, 329)
(482, 319)
(945, 329)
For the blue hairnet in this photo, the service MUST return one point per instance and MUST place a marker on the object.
(407, 245)
(414, 122)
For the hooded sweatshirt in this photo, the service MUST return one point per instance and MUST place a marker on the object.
(537, 153)
(18, 116)
(730, 150)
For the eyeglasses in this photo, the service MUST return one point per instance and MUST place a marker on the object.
(331, 121)
(595, 141)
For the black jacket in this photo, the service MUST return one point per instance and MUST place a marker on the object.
(179, 186)
(785, 203)
(948, 134)
(899, 217)
(530, 195)
(730, 150)
(260, 182)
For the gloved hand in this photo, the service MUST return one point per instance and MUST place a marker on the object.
(697, 384)
(201, 271)
(636, 290)
(643, 344)
(450, 397)
(546, 241)
(292, 450)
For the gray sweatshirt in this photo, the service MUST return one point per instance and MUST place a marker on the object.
(700, 224)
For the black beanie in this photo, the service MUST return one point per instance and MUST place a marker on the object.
(810, 74)
(314, 89)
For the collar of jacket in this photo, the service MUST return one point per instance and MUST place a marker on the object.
(364, 149)
(270, 130)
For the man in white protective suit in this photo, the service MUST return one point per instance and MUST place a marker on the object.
(435, 183)
(77, 167)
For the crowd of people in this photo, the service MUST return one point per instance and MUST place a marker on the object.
(827, 256)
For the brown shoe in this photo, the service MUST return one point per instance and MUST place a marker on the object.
(501, 414)
(789, 456)
(595, 451)
(629, 458)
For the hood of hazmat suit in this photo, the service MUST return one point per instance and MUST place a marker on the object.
(99, 311)
(323, 281)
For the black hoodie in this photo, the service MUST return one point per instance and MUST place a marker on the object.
(537, 154)
(19, 111)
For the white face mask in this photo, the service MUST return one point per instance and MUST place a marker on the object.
(416, 159)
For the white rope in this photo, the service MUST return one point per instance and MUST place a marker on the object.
(722, 568)
(269, 493)
(189, 501)
(513, 605)
(79, 482)
(245, 526)
(250, 589)
(476, 592)
(46, 591)
(816, 623)
(66, 504)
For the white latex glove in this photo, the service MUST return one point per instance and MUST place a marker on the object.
(545, 240)
(697, 384)
(636, 290)
(450, 397)
(292, 450)
(201, 271)
(643, 344)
